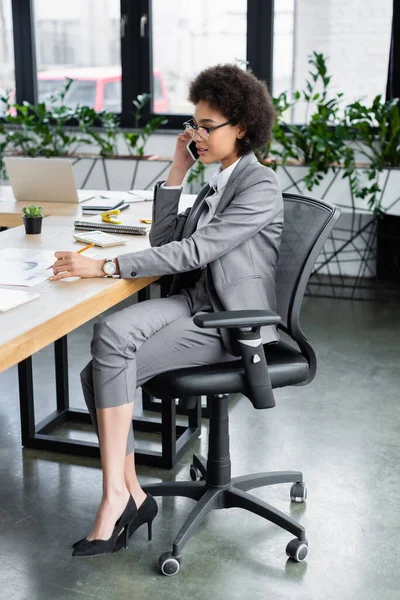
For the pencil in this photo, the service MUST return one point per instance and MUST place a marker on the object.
(85, 248)
(78, 252)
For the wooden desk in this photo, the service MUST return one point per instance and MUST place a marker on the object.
(11, 210)
(62, 307)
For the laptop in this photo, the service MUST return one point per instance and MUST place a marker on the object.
(39, 180)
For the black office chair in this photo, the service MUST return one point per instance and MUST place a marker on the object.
(308, 222)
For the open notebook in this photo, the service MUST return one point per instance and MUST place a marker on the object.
(12, 298)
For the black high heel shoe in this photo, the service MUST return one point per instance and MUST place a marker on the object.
(146, 513)
(120, 534)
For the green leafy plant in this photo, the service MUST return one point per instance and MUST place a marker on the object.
(136, 141)
(42, 129)
(375, 134)
(197, 174)
(267, 154)
(32, 211)
(53, 129)
(333, 134)
(320, 143)
(375, 130)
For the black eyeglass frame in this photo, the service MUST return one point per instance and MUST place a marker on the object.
(190, 125)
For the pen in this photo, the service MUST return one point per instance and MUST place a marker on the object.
(78, 252)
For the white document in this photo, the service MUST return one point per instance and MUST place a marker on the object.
(25, 267)
(12, 298)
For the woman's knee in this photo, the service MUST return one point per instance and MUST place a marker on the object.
(87, 387)
(109, 336)
(86, 375)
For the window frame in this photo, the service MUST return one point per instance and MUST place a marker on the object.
(393, 78)
(24, 50)
(136, 53)
(259, 50)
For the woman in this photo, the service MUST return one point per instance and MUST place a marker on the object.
(222, 253)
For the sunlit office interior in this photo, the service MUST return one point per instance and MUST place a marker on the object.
(256, 337)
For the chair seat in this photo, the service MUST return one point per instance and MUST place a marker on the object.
(286, 366)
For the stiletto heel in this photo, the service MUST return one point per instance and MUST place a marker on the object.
(118, 539)
(146, 513)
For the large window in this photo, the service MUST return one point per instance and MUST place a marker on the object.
(7, 80)
(188, 36)
(81, 41)
(117, 49)
(354, 36)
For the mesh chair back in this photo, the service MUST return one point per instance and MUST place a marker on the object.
(307, 225)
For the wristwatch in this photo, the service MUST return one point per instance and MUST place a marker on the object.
(109, 267)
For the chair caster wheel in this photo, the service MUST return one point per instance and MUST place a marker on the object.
(297, 550)
(298, 492)
(169, 564)
(195, 474)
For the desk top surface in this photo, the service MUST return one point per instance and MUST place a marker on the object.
(63, 305)
(11, 209)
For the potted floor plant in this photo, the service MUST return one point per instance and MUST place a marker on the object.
(32, 217)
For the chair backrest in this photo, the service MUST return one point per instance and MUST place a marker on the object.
(307, 225)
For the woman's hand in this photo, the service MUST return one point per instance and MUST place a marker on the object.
(182, 161)
(72, 264)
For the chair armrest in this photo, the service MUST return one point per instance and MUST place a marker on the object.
(248, 324)
(238, 318)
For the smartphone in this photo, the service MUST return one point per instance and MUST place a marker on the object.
(191, 148)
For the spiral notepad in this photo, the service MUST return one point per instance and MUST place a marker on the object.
(139, 229)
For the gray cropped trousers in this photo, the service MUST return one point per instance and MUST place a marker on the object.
(133, 345)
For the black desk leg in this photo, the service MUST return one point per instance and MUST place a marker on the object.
(61, 365)
(174, 438)
(26, 400)
(144, 294)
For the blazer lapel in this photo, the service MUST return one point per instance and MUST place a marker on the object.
(226, 197)
(191, 221)
(229, 190)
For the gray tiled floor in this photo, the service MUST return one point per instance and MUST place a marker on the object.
(342, 431)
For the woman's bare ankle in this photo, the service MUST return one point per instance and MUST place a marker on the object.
(111, 507)
(137, 494)
(114, 494)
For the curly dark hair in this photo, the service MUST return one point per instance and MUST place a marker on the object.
(241, 98)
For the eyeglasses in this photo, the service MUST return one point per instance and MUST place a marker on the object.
(203, 132)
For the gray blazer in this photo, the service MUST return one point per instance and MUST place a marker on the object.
(239, 246)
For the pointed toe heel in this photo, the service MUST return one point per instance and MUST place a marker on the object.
(118, 539)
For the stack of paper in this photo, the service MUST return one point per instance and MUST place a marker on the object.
(12, 298)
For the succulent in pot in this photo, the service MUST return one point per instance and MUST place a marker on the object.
(32, 217)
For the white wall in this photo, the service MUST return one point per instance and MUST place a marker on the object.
(354, 35)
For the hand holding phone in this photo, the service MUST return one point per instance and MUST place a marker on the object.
(183, 160)
(191, 148)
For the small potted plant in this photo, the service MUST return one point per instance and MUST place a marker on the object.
(32, 218)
